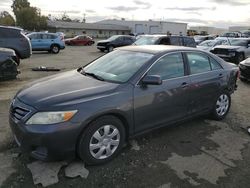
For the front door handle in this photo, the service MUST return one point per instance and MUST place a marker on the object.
(184, 84)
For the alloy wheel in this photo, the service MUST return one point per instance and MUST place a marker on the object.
(104, 142)
(222, 105)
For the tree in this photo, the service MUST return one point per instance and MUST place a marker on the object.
(6, 19)
(28, 17)
(18, 5)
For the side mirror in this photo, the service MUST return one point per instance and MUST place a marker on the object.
(152, 80)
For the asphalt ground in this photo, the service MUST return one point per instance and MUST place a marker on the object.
(196, 153)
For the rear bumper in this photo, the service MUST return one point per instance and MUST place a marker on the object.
(23, 54)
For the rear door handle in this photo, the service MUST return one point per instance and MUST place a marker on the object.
(184, 84)
(220, 75)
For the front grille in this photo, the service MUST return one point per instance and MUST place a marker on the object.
(19, 113)
(221, 51)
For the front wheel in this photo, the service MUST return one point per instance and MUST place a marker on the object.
(222, 106)
(101, 141)
(110, 48)
(55, 49)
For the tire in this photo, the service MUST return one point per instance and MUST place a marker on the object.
(102, 50)
(240, 57)
(110, 48)
(55, 49)
(102, 149)
(221, 106)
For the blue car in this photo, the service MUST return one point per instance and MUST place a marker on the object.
(50, 42)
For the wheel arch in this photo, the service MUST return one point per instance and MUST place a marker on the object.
(118, 114)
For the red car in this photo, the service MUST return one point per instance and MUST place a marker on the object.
(80, 40)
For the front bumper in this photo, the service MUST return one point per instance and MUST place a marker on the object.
(228, 58)
(45, 142)
(101, 47)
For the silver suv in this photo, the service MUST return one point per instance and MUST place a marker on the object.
(13, 38)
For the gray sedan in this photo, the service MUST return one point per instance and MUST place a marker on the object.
(93, 110)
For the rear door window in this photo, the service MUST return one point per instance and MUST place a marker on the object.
(198, 63)
(214, 64)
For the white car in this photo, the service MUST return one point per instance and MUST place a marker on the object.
(207, 45)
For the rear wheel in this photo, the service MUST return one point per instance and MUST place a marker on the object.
(222, 106)
(55, 49)
(102, 140)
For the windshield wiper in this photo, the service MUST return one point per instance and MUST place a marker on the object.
(92, 75)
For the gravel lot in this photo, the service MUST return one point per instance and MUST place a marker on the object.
(198, 153)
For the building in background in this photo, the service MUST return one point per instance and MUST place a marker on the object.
(238, 28)
(150, 27)
(205, 30)
(95, 30)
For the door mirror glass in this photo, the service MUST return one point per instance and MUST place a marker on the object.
(152, 80)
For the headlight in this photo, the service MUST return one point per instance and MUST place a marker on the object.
(51, 117)
(242, 66)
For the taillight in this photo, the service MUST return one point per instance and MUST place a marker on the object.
(238, 74)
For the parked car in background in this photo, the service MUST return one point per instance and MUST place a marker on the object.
(245, 70)
(231, 34)
(165, 40)
(238, 50)
(208, 45)
(8, 65)
(200, 38)
(80, 40)
(119, 95)
(115, 41)
(246, 33)
(13, 38)
(50, 42)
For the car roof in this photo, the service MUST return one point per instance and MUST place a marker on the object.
(10, 27)
(43, 33)
(156, 49)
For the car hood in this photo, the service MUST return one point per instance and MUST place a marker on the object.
(68, 39)
(63, 88)
(227, 47)
(103, 41)
(205, 48)
(246, 62)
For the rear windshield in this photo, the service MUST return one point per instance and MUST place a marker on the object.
(10, 33)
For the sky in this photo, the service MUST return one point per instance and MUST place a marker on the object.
(217, 13)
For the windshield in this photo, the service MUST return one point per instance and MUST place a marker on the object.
(146, 40)
(208, 43)
(118, 66)
(238, 42)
